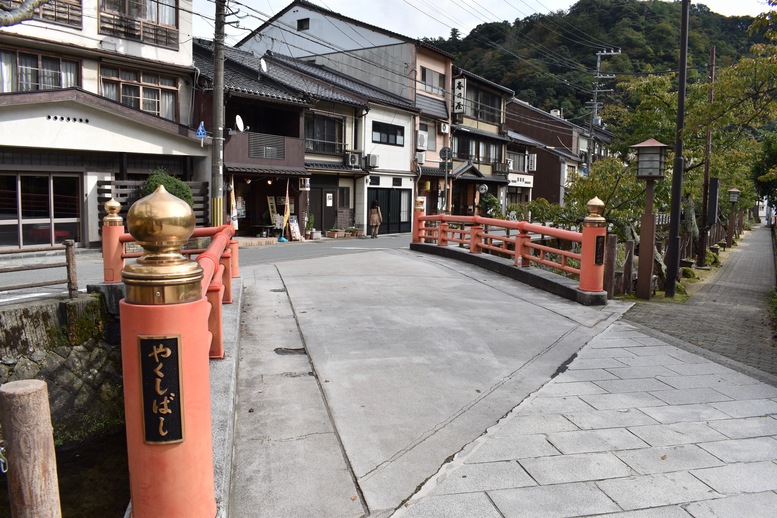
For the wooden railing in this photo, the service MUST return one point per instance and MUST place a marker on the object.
(69, 264)
(585, 258)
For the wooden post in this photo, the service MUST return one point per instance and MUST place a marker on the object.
(610, 262)
(70, 259)
(475, 239)
(32, 464)
(628, 267)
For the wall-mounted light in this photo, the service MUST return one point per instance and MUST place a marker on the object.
(248, 180)
(269, 181)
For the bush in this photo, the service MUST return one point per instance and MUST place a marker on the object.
(174, 186)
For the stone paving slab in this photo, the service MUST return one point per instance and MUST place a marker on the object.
(628, 454)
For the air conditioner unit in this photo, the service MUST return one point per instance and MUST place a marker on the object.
(532, 165)
(304, 184)
(371, 160)
(445, 128)
(422, 140)
(420, 157)
(509, 162)
(502, 128)
(352, 159)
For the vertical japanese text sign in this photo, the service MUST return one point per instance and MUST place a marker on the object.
(459, 94)
(160, 373)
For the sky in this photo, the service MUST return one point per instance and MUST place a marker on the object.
(419, 18)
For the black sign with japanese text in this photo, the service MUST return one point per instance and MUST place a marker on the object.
(160, 377)
(599, 259)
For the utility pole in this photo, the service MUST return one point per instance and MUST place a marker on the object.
(595, 103)
(217, 167)
(672, 259)
(702, 259)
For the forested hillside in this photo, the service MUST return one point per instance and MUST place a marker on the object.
(550, 60)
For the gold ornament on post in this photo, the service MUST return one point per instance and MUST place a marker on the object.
(161, 223)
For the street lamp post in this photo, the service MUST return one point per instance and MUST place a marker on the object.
(733, 197)
(650, 166)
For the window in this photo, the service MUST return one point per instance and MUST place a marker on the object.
(481, 151)
(483, 105)
(388, 134)
(303, 24)
(429, 127)
(149, 92)
(344, 197)
(324, 134)
(62, 12)
(150, 21)
(374, 180)
(432, 81)
(23, 72)
(519, 161)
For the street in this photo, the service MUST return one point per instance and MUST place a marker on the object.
(90, 268)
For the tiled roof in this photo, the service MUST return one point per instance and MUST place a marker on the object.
(239, 75)
(333, 166)
(431, 106)
(466, 172)
(482, 79)
(480, 132)
(265, 170)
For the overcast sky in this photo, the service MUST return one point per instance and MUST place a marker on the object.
(418, 18)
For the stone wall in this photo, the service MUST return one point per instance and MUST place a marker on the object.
(61, 341)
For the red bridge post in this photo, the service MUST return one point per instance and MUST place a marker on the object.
(165, 344)
(593, 246)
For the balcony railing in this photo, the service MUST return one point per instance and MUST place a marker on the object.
(137, 29)
(324, 146)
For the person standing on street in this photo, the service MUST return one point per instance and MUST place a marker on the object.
(376, 218)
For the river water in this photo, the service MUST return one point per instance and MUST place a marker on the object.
(93, 479)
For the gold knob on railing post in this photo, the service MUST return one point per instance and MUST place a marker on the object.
(161, 223)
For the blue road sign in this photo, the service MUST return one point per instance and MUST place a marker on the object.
(201, 133)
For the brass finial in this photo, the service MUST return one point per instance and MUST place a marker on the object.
(112, 207)
(595, 210)
(161, 223)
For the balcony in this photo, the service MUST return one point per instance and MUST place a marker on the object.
(261, 149)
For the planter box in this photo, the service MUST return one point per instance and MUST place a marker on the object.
(335, 233)
(316, 234)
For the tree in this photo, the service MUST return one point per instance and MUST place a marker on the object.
(24, 12)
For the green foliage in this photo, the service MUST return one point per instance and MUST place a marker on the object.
(688, 273)
(550, 68)
(173, 185)
(489, 206)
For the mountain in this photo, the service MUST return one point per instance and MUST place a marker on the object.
(550, 60)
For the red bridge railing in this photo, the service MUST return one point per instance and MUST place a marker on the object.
(219, 261)
(479, 234)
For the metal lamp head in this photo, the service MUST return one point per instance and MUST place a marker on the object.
(650, 159)
(733, 195)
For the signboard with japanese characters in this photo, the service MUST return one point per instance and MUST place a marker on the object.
(160, 380)
(459, 94)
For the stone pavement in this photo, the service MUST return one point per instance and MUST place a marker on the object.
(633, 425)
(729, 314)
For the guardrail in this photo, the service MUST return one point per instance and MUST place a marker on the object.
(69, 264)
(477, 233)
(219, 261)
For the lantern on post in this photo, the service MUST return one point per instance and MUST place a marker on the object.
(733, 197)
(651, 161)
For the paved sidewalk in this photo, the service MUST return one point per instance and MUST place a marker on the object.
(729, 314)
(634, 424)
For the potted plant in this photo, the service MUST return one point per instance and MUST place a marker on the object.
(335, 232)
(309, 226)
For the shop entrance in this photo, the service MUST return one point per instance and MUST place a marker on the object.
(395, 206)
(323, 206)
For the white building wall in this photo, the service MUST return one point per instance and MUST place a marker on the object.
(391, 158)
(88, 37)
